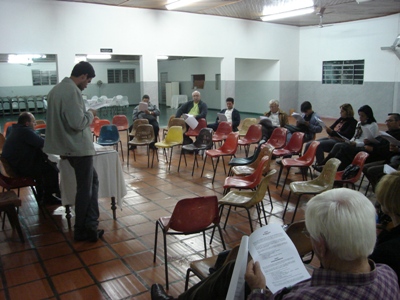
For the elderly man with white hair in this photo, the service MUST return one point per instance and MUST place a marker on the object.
(276, 118)
(341, 226)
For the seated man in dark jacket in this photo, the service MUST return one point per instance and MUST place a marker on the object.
(232, 115)
(384, 152)
(23, 151)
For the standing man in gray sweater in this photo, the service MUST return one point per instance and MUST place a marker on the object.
(68, 135)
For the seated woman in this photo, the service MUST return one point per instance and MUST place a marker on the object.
(387, 248)
(344, 126)
(345, 152)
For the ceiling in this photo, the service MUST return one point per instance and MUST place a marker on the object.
(336, 11)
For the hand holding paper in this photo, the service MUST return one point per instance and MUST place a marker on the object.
(299, 118)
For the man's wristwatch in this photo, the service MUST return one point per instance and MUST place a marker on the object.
(259, 291)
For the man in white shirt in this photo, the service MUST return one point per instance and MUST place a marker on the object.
(232, 115)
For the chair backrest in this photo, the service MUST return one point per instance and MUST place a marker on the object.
(254, 132)
(174, 135)
(121, 121)
(262, 188)
(178, 122)
(136, 123)
(195, 132)
(108, 133)
(328, 174)
(144, 133)
(204, 139)
(40, 121)
(98, 124)
(309, 155)
(194, 214)
(358, 160)
(6, 125)
(278, 137)
(169, 121)
(40, 126)
(5, 169)
(257, 174)
(295, 144)
(263, 152)
(300, 240)
(224, 128)
(231, 143)
(246, 124)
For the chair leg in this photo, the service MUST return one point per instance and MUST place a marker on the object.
(284, 183)
(287, 203)
(263, 209)
(194, 162)
(222, 238)
(187, 278)
(258, 213)
(295, 210)
(122, 151)
(155, 243)
(215, 169)
(248, 214)
(170, 159)
(270, 198)
(204, 163)
(279, 176)
(14, 221)
(166, 259)
(204, 240)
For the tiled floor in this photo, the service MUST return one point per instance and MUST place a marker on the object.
(50, 265)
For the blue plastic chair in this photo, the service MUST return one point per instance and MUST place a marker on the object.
(109, 136)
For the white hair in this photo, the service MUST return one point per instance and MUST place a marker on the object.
(346, 220)
(274, 101)
(196, 92)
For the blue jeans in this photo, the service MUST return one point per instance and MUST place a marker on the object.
(86, 200)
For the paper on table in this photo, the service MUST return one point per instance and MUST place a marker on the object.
(389, 138)
(299, 118)
(143, 106)
(278, 258)
(190, 120)
(388, 169)
(96, 106)
(222, 117)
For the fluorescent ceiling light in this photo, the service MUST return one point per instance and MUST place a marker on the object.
(285, 6)
(162, 57)
(176, 4)
(360, 1)
(288, 14)
(23, 58)
(99, 56)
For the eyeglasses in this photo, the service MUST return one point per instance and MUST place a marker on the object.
(306, 233)
(389, 120)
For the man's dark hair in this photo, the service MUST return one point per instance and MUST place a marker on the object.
(83, 68)
(145, 97)
(395, 115)
(23, 118)
(230, 99)
(306, 105)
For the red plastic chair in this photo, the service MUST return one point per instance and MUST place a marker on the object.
(227, 149)
(98, 125)
(253, 136)
(92, 125)
(191, 215)
(195, 132)
(304, 162)
(278, 138)
(122, 123)
(224, 128)
(359, 160)
(294, 146)
(248, 182)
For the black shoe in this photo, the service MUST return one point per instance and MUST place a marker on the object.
(132, 147)
(89, 235)
(279, 162)
(158, 293)
(153, 146)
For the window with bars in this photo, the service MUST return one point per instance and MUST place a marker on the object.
(44, 77)
(343, 72)
(121, 76)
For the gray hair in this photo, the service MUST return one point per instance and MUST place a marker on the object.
(346, 220)
(274, 101)
(196, 92)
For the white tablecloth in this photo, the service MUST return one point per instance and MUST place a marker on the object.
(111, 178)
